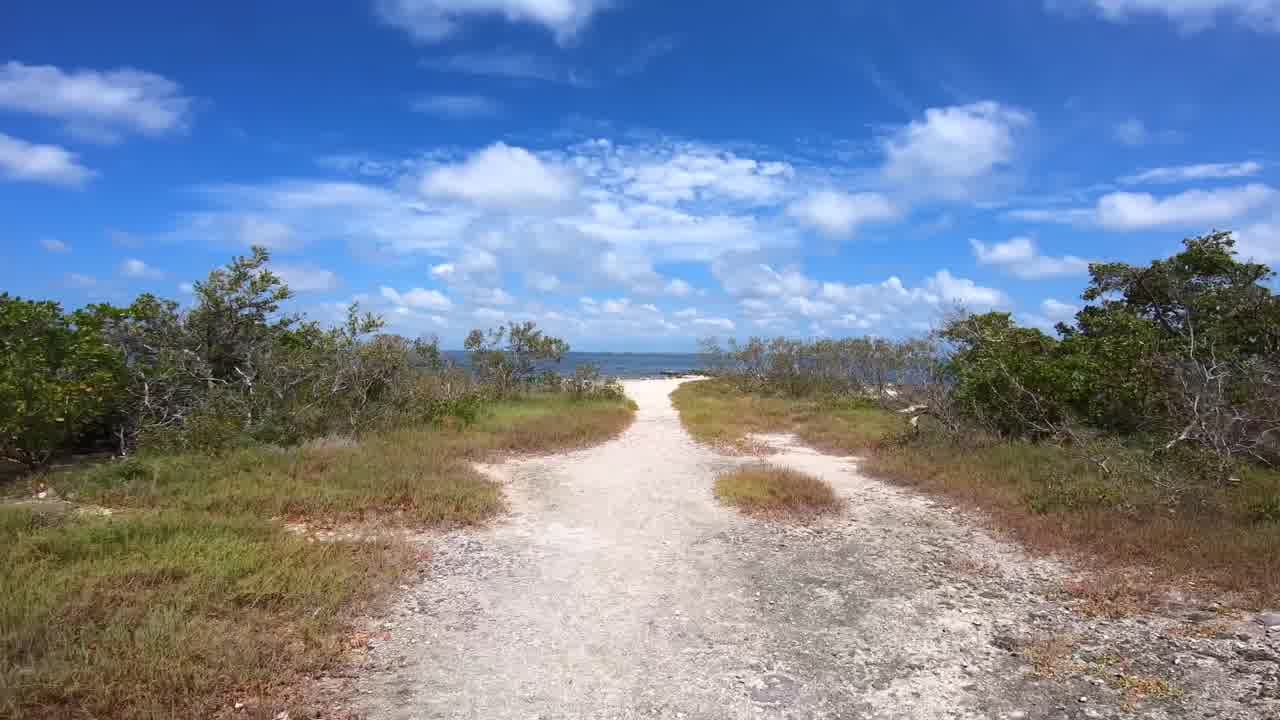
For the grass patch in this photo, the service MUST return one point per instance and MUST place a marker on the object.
(1227, 538)
(770, 490)
(716, 412)
(191, 596)
(421, 476)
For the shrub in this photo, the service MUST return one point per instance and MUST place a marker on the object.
(59, 379)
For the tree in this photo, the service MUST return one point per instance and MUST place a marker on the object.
(507, 356)
(59, 378)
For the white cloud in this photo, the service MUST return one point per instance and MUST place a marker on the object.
(1021, 257)
(838, 213)
(301, 278)
(760, 280)
(717, 323)
(678, 288)
(490, 296)
(76, 280)
(186, 288)
(96, 105)
(508, 64)
(686, 313)
(542, 281)
(135, 268)
(1051, 313)
(1128, 211)
(443, 270)
(1131, 131)
(431, 21)
(894, 301)
(1058, 311)
(21, 160)
(1138, 211)
(54, 245)
(417, 299)
(688, 172)
(255, 230)
(501, 176)
(952, 148)
(1259, 242)
(457, 106)
(1059, 216)
(1189, 15)
(489, 315)
(1189, 173)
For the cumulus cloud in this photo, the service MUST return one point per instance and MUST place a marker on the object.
(760, 280)
(96, 105)
(1140, 211)
(1260, 241)
(501, 176)
(1051, 313)
(137, 269)
(54, 245)
(687, 172)
(840, 214)
(1019, 256)
(1129, 211)
(1191, 173)
(431, 21)
(417, 299)
(457, 106)
(951, 148)
(302, 278)
(1189, 15)
(24, 161)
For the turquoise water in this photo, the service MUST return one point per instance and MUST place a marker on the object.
(619, 365)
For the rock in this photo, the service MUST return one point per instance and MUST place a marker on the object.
(1269, 619)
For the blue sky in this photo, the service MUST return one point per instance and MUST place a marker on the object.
(633, 175)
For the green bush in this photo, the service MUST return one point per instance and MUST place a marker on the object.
(59, 379)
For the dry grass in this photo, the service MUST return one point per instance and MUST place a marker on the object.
(715, 412)
(192, 595)
(772, 491)
(1225, 540)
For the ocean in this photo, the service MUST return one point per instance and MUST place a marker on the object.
(619, 365)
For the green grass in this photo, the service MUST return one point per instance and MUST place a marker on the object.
(716, 412)
(419, 476)
(1226, 538)
(772, 491)
(191, 595)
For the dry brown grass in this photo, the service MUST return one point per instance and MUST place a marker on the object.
(1136, 542)
(715, 412)
(1227, 540)
(771, 491)
(192, 595)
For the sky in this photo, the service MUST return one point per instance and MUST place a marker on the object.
(633, 175)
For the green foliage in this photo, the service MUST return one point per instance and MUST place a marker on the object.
(507, 356)
(58, 377)
(1184, 352)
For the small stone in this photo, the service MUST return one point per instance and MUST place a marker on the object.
(1269, 619)
(239, 706)
(1083, 699)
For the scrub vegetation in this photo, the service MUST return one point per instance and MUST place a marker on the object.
(182, 574)
(1145, 434)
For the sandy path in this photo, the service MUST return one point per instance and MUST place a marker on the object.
(618, 588)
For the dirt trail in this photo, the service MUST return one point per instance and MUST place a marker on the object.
(618, 588)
